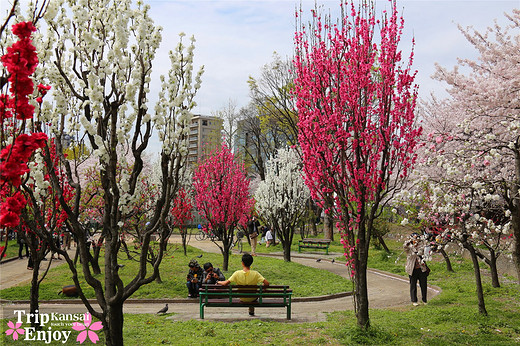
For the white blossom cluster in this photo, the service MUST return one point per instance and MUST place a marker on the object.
(283, 194)
(97, 56)
(176, 99)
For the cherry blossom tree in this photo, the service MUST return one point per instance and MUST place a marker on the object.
(355, 100)
(222, 196)
(281, 199)
(484, 106)
(99, 55)
(181, 213)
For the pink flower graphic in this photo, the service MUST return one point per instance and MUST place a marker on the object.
(86, 329)
(14, 329)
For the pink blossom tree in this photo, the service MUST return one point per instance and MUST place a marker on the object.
(358, 132)
(484, 107)
(181, 213)
(222, 196)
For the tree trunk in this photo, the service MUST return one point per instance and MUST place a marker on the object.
(361, 293)
(328, 228)
(94, 260)
(184, 244)
(478, 279)
(225, 262)
(493, 267)
(286, 250)
(314, 228)
(447, 260)
(113, 324)
(383, 244)
(35, 291)
(516, 240)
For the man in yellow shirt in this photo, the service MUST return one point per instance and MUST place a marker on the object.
(246, 276)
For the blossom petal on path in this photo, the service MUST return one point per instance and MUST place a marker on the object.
(93, 336)
(96, 326)
(82, 336)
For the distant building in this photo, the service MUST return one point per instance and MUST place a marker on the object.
(248, 146)
(205, 135)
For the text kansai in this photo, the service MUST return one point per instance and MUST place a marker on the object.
(43, 319)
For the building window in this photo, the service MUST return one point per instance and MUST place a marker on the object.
(204, 123)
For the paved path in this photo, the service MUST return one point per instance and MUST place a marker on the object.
(385, 290)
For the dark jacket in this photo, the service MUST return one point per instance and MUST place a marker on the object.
(197, 274)
(213, 280)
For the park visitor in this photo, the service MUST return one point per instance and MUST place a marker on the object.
(416, 266)
(212, 275)
(269, 238)
(252, 231)
(194, 278)
(246, 276)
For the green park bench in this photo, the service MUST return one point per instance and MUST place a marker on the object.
(314, 243)
(229, 296)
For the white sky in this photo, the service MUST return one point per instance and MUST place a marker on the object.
(235, 38)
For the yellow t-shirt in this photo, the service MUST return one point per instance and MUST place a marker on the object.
(241, 277)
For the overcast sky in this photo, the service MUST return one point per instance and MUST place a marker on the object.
(235, 38)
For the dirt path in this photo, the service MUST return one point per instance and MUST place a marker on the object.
(385, 290)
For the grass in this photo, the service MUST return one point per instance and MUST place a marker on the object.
(303, 280)
(451, 318)
(12, 249)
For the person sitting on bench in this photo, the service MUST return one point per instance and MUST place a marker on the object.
(194, 278)
(212, 275)
(246, 276)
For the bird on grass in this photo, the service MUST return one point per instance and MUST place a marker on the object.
(333, 261)
(163, 310)
(318, 260)
(199, 256)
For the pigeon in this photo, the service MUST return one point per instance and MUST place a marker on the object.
(318, 260)
(163, 310)
(199, 256)
(333, 260)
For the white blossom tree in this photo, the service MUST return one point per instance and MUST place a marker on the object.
(98, 55)
(484, 111)
(281, 199)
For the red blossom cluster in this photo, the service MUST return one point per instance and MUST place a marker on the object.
(222, 190)
(20, 62)
(181, 209)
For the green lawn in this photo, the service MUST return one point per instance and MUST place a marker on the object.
(303, 280)
(12, 249)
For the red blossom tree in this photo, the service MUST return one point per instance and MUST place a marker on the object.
(222, 196)
(355, 101)
(18, 139)
(181, 212)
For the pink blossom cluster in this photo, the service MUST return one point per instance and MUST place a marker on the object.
(222, 190)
